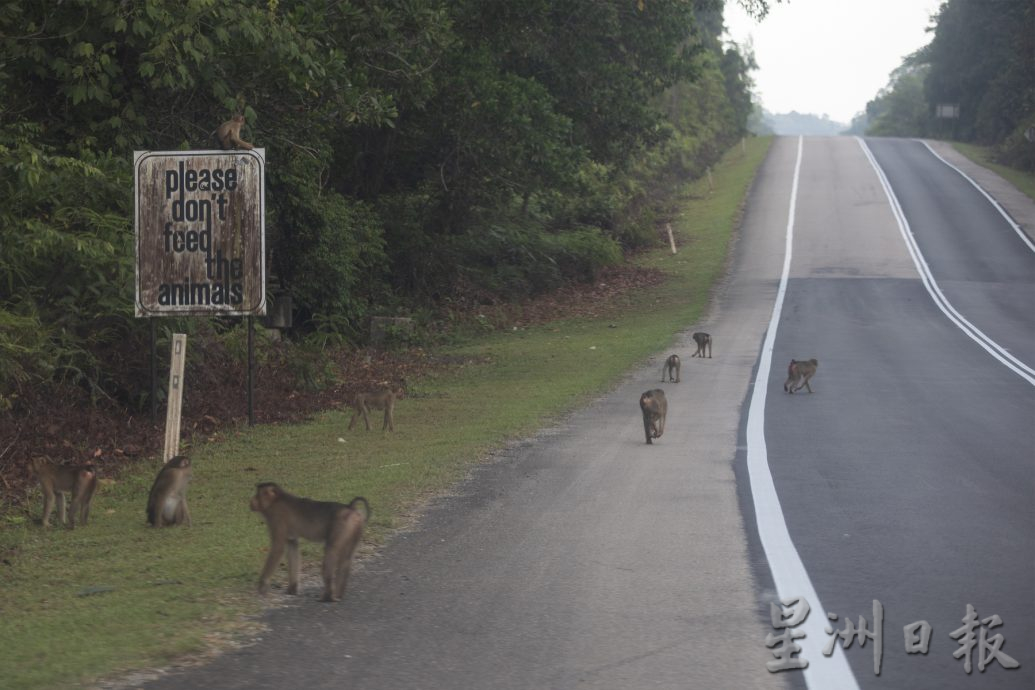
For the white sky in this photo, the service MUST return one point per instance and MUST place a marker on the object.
(829, 57)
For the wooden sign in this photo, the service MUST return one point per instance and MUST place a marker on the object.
(200, 232)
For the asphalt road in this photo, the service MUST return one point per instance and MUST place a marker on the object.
(585, 558)
(909, 477)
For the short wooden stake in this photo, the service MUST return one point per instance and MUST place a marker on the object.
(175, 397)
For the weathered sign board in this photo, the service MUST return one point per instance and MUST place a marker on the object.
(200, 233)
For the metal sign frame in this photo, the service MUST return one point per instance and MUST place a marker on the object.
(200, 226)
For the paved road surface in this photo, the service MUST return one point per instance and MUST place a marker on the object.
(584, 558)
(909, 477)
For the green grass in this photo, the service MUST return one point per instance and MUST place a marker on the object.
(118, 595)
(984, 156)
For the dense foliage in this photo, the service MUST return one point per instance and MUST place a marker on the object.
(901, 110)
(982, 58)
(418, 151)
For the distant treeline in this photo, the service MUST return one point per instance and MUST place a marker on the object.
(420, 154)
(982, 59)
(795, 124)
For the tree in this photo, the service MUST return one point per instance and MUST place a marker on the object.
(981, 57)
(900, 109)
(415, 147)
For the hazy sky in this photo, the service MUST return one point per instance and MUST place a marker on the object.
(829, 56)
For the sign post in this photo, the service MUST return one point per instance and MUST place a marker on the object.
(949, 112)
(200, 234)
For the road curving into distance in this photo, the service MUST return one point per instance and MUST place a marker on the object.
(586, 558)
(909, 477)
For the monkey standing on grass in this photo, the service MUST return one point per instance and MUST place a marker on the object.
(167, 502)
(290, 518)
(56, 480)
(380, 400)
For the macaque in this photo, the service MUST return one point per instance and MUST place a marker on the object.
(380, 400)
(290, 518)
(672, 363)
(800, 371)
(654, 408)
(229, 134)
(167, 502)
(57, 480)
(703, 341)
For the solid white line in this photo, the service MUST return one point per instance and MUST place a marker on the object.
(993, 348)
(788, 571)
(1016, 228)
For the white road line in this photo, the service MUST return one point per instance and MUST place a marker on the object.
(993, 348)
(1013, 224)
(788, 571)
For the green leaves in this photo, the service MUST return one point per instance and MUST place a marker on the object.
(980, 58)
(410, 144)
(66, 261)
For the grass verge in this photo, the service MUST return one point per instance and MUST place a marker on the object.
(118, 595)
(984, 156)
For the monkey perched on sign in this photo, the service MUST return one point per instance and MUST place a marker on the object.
(229, 134)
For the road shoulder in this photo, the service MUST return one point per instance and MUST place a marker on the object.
(1020, 207)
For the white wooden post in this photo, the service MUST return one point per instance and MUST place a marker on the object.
(175, 398)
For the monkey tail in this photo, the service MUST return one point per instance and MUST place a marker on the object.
(366, 507)
(152, 507)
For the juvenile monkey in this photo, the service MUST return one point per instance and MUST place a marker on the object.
(703, 341)
(654, 408)
(672, 363)
(229, 134)
(800, 371)
(290, 518)
(57, 480)
(380, 400)
(167, 502)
